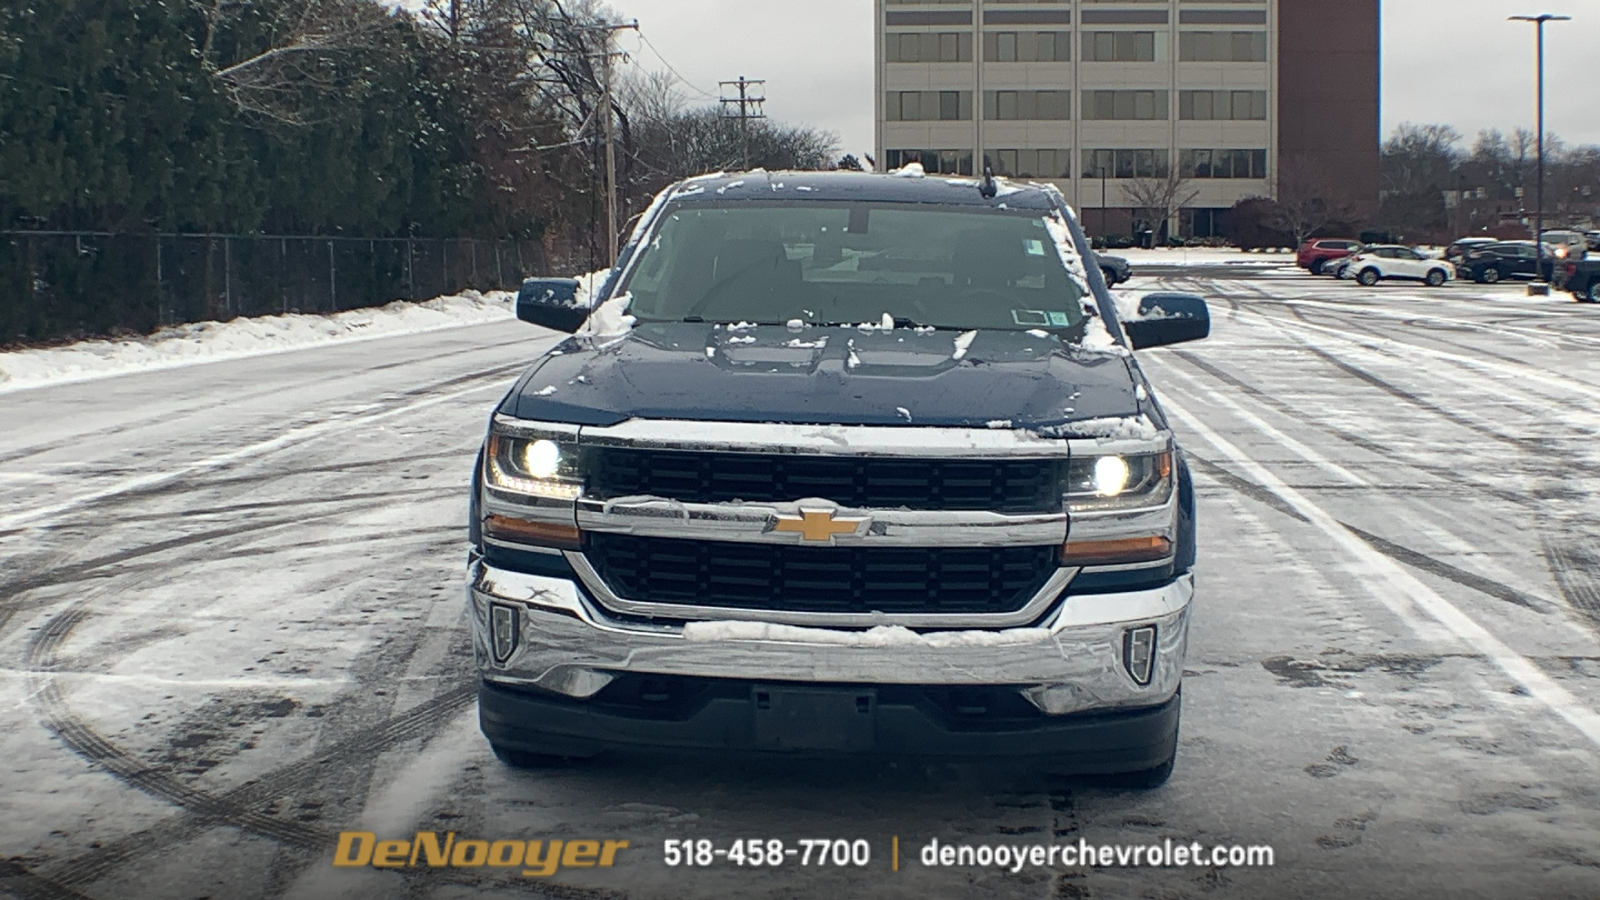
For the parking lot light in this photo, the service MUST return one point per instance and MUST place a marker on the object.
(1540, 287)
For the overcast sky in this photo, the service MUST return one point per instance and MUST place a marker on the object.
(1457, 62)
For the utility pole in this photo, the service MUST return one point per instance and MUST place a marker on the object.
(1540, 286)
(746, 104)
(611, 160)
(609, 130)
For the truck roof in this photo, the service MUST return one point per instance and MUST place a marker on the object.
(861, 187)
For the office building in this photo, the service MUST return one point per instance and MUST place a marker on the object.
(1108, 97)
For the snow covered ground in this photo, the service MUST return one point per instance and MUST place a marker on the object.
(243, 338)
(231, 626)
(1201, 256)
(203, 342)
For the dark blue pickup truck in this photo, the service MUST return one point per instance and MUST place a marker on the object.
(840, 463)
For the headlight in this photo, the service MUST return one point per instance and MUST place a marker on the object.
(1121, 509)
(1115, 482)
(533, 466)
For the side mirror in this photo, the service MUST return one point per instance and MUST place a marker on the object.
(1168, 318)
(552, 303)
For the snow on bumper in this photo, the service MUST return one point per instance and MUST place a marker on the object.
(1072, 662)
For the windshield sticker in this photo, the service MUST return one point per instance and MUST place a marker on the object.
(1030, 317)
(1035, 247)
(1060, 319)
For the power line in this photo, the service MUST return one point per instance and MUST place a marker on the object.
(676, 74)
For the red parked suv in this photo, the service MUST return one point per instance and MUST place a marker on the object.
(1318, 251)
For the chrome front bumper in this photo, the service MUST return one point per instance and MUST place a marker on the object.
(1072, 662)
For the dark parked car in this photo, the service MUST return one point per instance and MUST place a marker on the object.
(1458, 251)
(1507, 259)
(1583, 280)
(695, 521)
(1115, 269)
(1318, 252)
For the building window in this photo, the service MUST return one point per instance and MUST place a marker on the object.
(928, 47)
(1215, 105)
(1222, 163)
(1222, 46)
(1201, 222)
(1130, 163)
(928, 106)
(1005, 106)
(934, 162)
(1119, 46)
(1125, 104)
(1027, 46)
(1050, 163)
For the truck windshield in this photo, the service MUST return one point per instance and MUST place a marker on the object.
(922, 265)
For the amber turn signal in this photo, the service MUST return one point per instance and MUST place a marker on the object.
(1115, 552)
(539, 534)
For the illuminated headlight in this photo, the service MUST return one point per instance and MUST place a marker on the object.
(1114, 482)
(1120, 509)
(534, 466)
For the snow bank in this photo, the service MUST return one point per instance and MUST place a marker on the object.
(203, 342)
(1200, 256)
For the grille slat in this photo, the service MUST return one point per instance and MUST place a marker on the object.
(727, 574)
(1021, 485)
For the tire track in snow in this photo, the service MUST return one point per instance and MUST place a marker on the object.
(238, 807)
(424, 397)
(1407, 596)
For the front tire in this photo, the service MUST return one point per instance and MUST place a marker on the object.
(1490, 275)
(1368, 277)
(1110, 276)
(1316, 267)
(1436, 278)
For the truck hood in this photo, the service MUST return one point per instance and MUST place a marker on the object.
(826, 375)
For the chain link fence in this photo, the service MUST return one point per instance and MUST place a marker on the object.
(60, 284)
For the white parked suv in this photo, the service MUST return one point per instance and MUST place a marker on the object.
(1378, 262)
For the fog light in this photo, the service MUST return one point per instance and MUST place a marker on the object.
(1139, 653)
(502, 632)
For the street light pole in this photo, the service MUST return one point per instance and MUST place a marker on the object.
(1540, 286)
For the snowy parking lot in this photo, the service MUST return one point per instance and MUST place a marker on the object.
(232, 625)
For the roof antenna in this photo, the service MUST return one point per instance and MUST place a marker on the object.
(987, 187)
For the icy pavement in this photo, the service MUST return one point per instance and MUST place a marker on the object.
(231, 626)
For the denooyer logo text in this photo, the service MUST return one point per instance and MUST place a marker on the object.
(537, 859)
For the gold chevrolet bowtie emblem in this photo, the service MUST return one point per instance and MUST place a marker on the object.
(817, 525)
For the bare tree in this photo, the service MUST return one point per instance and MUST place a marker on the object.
(313, 51)
(1308, 201)
(1160, 198)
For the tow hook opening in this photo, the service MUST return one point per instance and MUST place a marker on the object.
(502, 632)
(1139, 653)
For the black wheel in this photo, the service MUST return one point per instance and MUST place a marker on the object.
(1316, 267)
(1368, 277)
(1490, 275)
(1110, 276)
(1435, 278)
